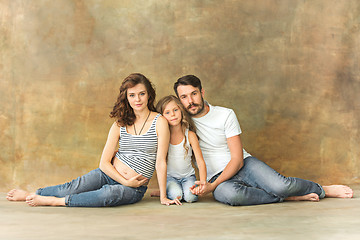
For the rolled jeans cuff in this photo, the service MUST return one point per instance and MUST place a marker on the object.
(322, 194)
(67, 199)
(38, 192)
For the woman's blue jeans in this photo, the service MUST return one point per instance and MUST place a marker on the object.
(94, 189)
(180, 187)
(257, 183)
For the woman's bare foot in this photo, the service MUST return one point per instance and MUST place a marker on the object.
(36, 200)
(313, 197)
(17, 195)
(338, 191)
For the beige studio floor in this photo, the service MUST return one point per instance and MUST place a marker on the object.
(206, 219)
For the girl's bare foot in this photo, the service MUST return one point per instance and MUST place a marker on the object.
(313, 197)
(36, 200)
(338, 191)
(17, 195)
(155, 193)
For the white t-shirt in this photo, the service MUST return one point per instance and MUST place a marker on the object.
(178, 162)
(213, 130)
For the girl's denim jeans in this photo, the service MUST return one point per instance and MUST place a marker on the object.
(180, 187)
(94, 189)
(257, 183)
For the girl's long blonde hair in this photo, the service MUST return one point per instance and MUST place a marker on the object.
(186, 121)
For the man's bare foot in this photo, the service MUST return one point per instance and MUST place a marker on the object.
(17, 195)
(338, 191)
(313, 197)
(155, 193)
(36, 200)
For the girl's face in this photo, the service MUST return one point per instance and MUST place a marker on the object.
(138, 97)
(172, 113)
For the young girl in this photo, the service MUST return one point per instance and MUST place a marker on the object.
(183, 141)
(143, 137)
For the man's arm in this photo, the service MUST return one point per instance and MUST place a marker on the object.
(236, 162)
(234, 165)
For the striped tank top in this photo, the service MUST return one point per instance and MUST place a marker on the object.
(139, 151)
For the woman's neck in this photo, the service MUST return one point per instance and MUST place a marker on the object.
(142, 115)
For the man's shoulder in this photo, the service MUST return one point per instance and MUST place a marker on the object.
(219, 109)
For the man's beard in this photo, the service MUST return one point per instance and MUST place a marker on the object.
(201, 105)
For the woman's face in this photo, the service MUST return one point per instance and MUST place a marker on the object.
(138, 97)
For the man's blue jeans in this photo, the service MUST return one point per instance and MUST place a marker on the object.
(94, 189)
(180, 187)
(257, 183)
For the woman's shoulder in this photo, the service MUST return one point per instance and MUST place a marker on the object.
(116, 125)
(161, 120)
(154, 117)
(157, 118)
(162, 126)
(115, 129)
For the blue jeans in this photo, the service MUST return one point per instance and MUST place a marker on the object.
(180, 187)
(94, 189)
(257, 183)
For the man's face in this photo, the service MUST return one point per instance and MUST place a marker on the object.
(192, 99)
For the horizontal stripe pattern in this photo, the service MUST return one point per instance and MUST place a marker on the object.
(139, 151)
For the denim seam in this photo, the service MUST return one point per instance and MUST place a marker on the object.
(67, 200)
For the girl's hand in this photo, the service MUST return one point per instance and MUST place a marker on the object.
(199, 188)
(136, 182)
(168, 202)
(196, 190)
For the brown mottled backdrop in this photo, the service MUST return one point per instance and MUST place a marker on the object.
(290, 70)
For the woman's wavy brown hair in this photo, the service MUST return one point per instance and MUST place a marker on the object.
(122, 111)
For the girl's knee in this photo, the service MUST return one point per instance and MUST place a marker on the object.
(189, 197)
(173, 191)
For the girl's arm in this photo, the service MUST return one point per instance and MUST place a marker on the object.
(163, 133)
(194, 142)
(107, 155)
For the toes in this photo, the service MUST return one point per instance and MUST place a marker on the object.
(30, 200)
(11, 193)
(348, 192)
(349, 195)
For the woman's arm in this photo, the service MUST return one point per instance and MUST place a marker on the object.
(107, 155)
(163, 133)
(194, 142)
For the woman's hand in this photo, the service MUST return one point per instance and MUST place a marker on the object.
(168, 202)
(136, 181)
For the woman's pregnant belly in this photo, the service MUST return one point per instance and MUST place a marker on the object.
(125, 170)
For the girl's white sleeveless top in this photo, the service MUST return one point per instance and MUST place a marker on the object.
(179, 165)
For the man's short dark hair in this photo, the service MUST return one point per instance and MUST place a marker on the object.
(187, 80)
